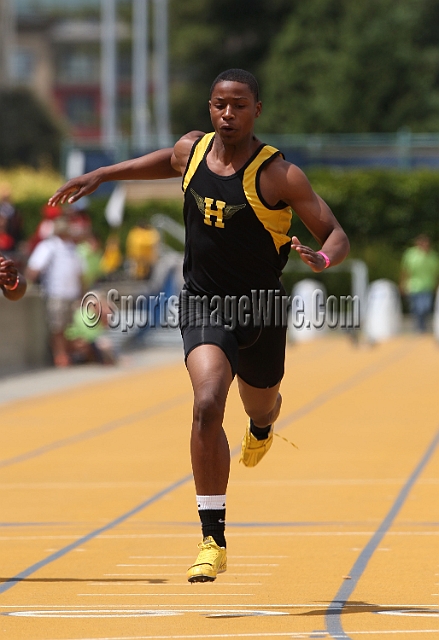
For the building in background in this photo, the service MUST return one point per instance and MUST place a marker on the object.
(80, 57)
(57, 54)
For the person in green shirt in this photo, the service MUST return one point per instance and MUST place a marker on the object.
(90, 343)
(419, 279)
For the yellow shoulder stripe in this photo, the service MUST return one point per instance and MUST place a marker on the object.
(276, 221)
(200, 150)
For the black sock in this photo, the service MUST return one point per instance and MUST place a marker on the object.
(260, 433)
(213, 523)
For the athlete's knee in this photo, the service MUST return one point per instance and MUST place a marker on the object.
(263, 416)
(209, 407)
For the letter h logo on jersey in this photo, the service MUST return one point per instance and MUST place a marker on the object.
(218, 212)
(221, 212)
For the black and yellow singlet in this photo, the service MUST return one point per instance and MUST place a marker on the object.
(235, 242)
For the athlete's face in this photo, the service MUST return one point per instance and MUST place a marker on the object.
(233, 110)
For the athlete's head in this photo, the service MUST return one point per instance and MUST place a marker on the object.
(238, 75)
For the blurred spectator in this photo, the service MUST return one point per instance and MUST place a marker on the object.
(80, 221)
(56, 262)
(419, 279)
(87, 244)
(90, 251)
(142, 250)
(14, 221)
(6, 240)
(112, 258)
(90, 344)
(12, 283)
(46, 225)
(78, 212)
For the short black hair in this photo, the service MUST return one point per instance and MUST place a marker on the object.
(238, 75)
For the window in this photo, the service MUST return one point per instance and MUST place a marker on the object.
(81, 110)
(23, 62)
(78, 67)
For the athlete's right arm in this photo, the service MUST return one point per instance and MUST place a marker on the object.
(161, 164)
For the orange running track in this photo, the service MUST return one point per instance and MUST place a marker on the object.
(336, 539)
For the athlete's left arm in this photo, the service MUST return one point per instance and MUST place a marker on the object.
(282, 181)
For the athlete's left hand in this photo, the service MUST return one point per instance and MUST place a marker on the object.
(8, 272)
(310, 257)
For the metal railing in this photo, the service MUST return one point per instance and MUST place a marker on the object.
(401, 150)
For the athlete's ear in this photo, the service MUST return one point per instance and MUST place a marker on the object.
(258, 109)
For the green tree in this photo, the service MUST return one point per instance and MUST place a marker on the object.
(343, 66)
(28, 133)
(209, 36)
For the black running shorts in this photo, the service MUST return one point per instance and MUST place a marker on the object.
(256, 353)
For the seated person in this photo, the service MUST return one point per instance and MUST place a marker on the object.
(90, 343)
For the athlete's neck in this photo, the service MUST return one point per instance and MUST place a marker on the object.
(226, 158)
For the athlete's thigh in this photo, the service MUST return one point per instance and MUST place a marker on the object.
(262, 364)
(208, 366)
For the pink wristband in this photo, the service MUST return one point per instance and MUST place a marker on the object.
(17, 282)
(327, 260)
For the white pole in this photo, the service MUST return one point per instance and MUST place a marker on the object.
(108, 73)
(7, 42)
(140, 77)
(161, 82)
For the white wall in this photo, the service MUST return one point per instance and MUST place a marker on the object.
(23, 334)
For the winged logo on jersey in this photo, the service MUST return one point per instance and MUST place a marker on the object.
(222, 212)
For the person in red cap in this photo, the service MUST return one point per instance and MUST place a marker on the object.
(6, 240)
(46, 226)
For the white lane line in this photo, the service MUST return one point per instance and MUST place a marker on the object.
(223, 635)
(174, 564)
(287, 634)
(411, 614)
(190, 557)
(360, 549)
(254, 534)
(93, 613)
(79, 485)
(231, 534)
(181, 607)
(160, 575)
(333, 482)
(198, 607)
(135, 613)
(253, 564)
(161, 595)
(278, 483)
(169, 584)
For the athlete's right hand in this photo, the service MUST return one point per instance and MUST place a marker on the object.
(312, 258)
(76, 188)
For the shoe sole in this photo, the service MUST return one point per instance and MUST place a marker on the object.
(204, 578)
(201, 579)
